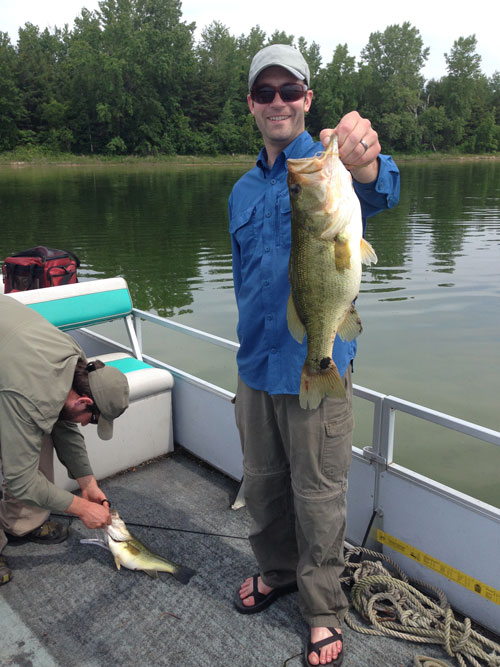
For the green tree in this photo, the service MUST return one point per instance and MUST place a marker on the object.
(465, 87)
(11, 110)
(395, 59)
(494, 91)
(487, 134)
(37, 67)
(312, 55)
(391, 83)
(434, 123)
(84, 66)
(335, 91)
(280, 37)
(217, 82)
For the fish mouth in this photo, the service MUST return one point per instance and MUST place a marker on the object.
(321, 162)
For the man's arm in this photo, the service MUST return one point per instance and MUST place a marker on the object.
(70, 449)
(21, 440)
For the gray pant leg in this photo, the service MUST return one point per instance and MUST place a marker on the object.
(312, 449)
(320, 453)
(16, 517)
(267, 487)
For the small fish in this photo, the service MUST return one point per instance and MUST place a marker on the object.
(325, 266)
(132, 554)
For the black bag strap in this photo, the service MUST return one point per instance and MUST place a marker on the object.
(46, 254)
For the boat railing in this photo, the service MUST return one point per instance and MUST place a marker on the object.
(390, 508)
(385, 406)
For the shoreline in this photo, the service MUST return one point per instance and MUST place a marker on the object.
(35, 159)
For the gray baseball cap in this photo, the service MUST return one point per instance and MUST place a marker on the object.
(110, 391)
(281, 55)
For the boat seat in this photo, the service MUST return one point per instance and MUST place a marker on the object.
(145, 429)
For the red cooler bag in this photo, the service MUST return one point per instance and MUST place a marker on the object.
(39, 267)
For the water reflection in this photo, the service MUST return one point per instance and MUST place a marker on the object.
(159, 228)
(430, 307)
(166, 229)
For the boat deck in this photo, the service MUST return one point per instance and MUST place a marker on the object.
(68, 606)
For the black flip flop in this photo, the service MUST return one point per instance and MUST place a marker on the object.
(315, 647)
(261, 601)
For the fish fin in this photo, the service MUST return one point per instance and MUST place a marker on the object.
(151, 573)
(368, 255)
(97, 542)
(351, 327)
(117, 562)
(183, 574)
(295, 326)
(315, 386)
(340, 217)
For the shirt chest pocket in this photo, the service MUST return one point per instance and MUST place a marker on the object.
(243, 227)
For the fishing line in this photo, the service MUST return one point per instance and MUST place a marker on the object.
(175, 530)
(185, 530)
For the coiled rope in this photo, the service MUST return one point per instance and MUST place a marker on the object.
(397, 609)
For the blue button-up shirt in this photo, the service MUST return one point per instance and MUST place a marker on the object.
(269, 358)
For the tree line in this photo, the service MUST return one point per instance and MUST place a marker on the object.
(129, 78)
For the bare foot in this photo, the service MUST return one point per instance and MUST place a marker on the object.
(247, 588)
(329, 652)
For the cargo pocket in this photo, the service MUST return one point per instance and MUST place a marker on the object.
(337, 447)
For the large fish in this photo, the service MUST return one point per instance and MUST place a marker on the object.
(325, 266)
(132, 554)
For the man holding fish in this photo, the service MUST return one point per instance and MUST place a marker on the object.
(47, 387)
(296, 228)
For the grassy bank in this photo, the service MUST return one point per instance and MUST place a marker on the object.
(40, 156)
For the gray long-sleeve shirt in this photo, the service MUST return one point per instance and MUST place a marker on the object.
(37, 364)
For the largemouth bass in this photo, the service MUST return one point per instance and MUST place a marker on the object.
(128, 551)
(325, 266)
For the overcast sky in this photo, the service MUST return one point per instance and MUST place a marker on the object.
(440, 23)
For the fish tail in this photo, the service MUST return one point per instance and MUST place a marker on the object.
(183, 574)
(314, 386)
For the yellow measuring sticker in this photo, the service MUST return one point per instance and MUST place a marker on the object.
(491, 594)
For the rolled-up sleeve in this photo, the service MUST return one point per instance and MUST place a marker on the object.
(21, 441)
(382, 193)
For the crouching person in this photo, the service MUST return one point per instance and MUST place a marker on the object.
(47, 388)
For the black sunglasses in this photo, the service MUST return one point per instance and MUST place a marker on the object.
(95, 414)
(289, 92)
(93, 408)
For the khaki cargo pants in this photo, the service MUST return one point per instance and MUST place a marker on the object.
(16, 517)
(295, 464)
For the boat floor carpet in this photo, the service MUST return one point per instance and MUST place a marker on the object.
(68, 606)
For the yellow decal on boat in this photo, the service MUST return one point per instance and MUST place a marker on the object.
(491, 594)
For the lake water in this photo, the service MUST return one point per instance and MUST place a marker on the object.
(430, 307)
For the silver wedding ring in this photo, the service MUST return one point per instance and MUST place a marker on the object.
(364, 144)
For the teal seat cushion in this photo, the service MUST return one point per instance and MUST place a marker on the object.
(128, 365)
(85, 309)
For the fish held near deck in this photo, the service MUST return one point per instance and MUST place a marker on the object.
(132, 554)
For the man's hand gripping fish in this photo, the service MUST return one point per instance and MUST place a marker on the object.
(325, 266)
(132, 554)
